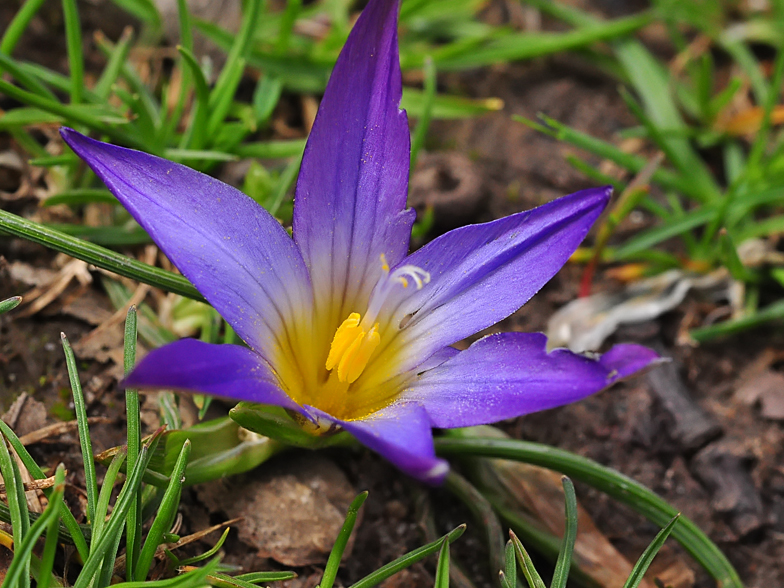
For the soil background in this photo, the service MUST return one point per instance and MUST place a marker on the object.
(730, 480)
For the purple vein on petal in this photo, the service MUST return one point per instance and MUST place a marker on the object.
(229, 371)
(511, 374)
(351, 192)
(233, 251)
(480, 274)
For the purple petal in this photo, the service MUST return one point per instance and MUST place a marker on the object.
(511, 374)
(234, 252)
(351, 192)
(401, 434)
(229, 371)
(480, 274)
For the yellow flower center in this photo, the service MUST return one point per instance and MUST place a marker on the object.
(357, 373)
(351, 348)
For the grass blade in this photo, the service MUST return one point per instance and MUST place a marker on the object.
(615, 484)
(18, 25)
(17, 506)
(418, 140)
(484, 515)
(442, 568)
(74, 531)
(97, 255)
(102, 506)
(52, 530)
(10, 303)
(333, 563)
(407, 560)
(134, 435)
(91, 486)
(561, 573)
(73, 39)
(526, 565)
(166, 513)
(646, 558)
(18, 573)
(114, 527)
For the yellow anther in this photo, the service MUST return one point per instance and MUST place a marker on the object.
(346, 334)
(403, 281)
(384, 264)
(352, 348)
(358, 355)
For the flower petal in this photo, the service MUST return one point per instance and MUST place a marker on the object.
(401, 434)
(511, 374)
(229, 371)
(480, 274)
(351, 192)
(234, 252)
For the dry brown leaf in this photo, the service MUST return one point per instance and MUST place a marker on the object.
(293, 509)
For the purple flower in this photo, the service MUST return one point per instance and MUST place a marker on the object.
(343, 326)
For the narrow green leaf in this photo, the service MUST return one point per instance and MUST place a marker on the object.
(191, 578)
(102, 505)
(259, 577)
(285, 182)
(17, 506)
(52, 530)
(267, 95)
(220, 102)
(633, 163)
(97, 255)
(561, 573)
(197, 127)
(73, 39)
(418, 140)
(91, 486)
(81, 196)
(483, 514)
(529, 45)
(638, 572)
(442, 567)
(10, 304)
(134, 444)
(271, 149)
(183, 155)
(117, 57)
(333, 563)
(71, 113)
(207, 554)
(18, 573)
(18, 25)
(24, 77)
(165, 515)
(510, 565)
(407, 560)
(614, 484)
(448, 107)
(52, 160)
(116, 523)
(772, 312)
(526, 565)
(74, 531)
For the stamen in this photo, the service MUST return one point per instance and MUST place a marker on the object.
(352, 348)
(344, 337)
(355, 340)
(401, 276)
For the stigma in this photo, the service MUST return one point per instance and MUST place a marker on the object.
(355, 339)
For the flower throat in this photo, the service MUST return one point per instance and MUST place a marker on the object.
(357, 338)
